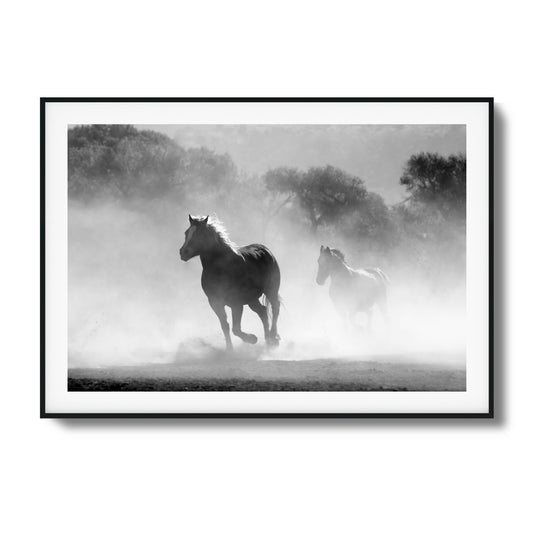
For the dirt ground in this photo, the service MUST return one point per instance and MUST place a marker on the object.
(224, 374)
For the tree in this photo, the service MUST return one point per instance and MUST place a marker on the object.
(325, 194)
(206, 170)
(437, 182)
(372, 222)
(120, 161)
(431, 221)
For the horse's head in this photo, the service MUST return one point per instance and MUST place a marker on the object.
(195, 238)
(324, 264)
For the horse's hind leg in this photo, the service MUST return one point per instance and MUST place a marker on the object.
(236, 314)
(369, 317)
(272, 295)
(261, 310)
(273, 337)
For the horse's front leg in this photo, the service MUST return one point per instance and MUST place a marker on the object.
(345, 315)
(218, 308)
(236, 314)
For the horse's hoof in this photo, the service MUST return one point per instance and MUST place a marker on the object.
(250, 339)
(273, 341)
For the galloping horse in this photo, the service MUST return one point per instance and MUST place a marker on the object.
(234, 276)
(352, 291)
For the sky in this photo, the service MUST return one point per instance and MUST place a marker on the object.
(375, 153)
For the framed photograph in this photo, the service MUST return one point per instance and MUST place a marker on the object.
(266, 257)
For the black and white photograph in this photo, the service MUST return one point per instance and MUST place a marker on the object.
(266, 267)
(270, 257)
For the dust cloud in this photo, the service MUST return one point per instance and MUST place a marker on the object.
(132, 301)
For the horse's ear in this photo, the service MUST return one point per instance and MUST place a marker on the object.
(328, 249)
(321, 248)
(204, 221)
(191, 220)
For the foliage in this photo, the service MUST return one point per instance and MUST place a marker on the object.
(437, 182)
(121, 162)
(431, 221)
(325, 194)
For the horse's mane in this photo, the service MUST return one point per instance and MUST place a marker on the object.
(221, 233)
(337, 253)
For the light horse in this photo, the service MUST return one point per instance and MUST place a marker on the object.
(351, 290)
(234, 276)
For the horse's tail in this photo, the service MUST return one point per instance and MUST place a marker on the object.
(384, 282)
(266, 302)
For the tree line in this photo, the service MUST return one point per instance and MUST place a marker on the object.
(121, 162)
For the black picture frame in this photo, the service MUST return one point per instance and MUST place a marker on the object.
(335, 415)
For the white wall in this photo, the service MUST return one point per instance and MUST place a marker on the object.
(414, 476)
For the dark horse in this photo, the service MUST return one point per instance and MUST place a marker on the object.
(234, 276)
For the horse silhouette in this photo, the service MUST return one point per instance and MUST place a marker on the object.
(352, 290)
(234, 276)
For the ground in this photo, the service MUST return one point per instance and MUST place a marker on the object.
(226, 374)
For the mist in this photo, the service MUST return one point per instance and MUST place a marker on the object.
(134, 304)
(132, 301)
